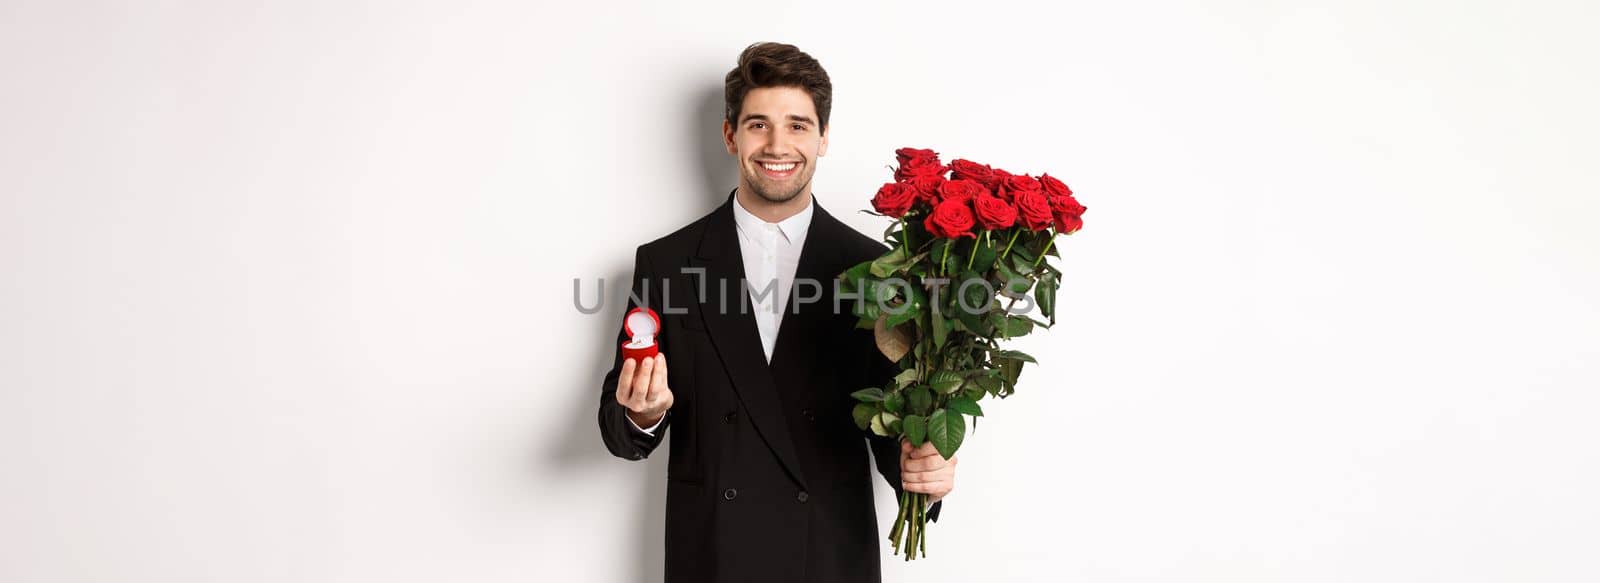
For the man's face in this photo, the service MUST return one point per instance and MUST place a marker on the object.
(777, 142)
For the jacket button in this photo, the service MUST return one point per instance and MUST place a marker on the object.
(727, 418)
(807, 414)
(802, 496)
(729, 494)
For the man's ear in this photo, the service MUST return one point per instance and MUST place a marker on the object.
(727, 138)
(822, 149)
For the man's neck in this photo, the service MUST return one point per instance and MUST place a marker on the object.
(769, 211)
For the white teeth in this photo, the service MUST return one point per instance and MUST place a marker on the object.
(779, 167)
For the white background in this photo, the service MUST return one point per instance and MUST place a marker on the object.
(287, 286)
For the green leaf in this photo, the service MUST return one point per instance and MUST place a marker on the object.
(941, 326)
(893, 232)
(974, 391)
(965, 405)
(869, 291)
(863, 414)
(891, 262)
(907, 313)
(884, 291)
(868, 395)
(946, 431)
(976, 295)
(957, 261)
(945, 381)
(1024, 251)
(881, 423)
(1011, 326)
(989, 384)
(919, 400)
(1010, 370)
(916, 427)
(1012, 283)
(974, 323)
(936, 252)
(853, 275)
(906, 378)
(982, 257)
(1045, 295)
(1012, 355)
(868, 311)
(893, 402)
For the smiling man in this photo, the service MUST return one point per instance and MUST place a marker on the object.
(768, 478)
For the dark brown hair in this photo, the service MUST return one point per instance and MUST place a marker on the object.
(768, 64)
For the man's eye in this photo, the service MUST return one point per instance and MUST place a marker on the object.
(799, 127)
(756, 125)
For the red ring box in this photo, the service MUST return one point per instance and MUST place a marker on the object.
(642, 325)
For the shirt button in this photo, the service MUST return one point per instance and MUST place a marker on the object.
(728, 418)
(807, 414)
(730, 493)
(802, 496)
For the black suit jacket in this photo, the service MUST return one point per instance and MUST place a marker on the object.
(767, 474)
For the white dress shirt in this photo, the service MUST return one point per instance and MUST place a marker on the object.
(771, 254)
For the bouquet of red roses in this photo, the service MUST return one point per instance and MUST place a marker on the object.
(965, 235)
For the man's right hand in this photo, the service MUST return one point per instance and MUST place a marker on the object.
(642, 389)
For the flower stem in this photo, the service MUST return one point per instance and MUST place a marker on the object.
(899, 523)
(916, 524)
(946, 257)
(1046, 247)
(922, 525)
(905, 236)
(911, 526)
(1013, 240)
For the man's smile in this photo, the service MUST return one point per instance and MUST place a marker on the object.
(778, 170)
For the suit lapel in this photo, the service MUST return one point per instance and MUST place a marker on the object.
(732, 325)
(802, 332)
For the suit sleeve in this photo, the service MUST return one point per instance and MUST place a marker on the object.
(886, 450)
(651, 430)
(622, 437)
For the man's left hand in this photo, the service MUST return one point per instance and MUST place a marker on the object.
(923, 470)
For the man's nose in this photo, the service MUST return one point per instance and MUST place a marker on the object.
(778, 144)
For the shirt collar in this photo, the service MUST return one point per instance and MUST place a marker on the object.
(793, 228)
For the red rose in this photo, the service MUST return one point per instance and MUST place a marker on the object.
(994, 213)
(919, 167)
(926, 186)
(894, 199)
(904, 155)
(997, 180)
(1017, 184)
(1054, 186)
(1033, 210)
(969, 170)
(951, 219)
(1068, 224)
(961, 190)
(1068, 213)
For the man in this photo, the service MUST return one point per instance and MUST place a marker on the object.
(767, 474)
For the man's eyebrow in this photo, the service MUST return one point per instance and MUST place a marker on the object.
(792, 117)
